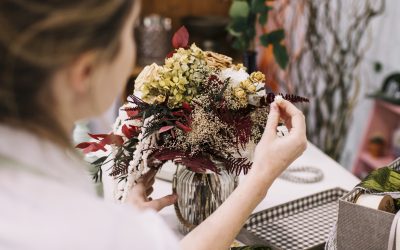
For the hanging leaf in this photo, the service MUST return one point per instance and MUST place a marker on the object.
(262, 19)
(180, 38)
(257, 6)
(281, 55)
(238, 26)
(239, 9)
(273, 37)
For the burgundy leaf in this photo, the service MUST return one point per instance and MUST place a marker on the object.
(180, 38)
(83, 145)
(186, 106)
(183, 127)
(132, 112)
(112, 139)
(93, 148)
(127, 132)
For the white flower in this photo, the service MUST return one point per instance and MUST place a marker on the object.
(236, 76)
(254, 99)
(278, 99)
(148, 73)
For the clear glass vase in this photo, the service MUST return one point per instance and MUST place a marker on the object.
(200, 194)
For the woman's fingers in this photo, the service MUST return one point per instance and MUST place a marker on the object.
(273, 120)
(293, 116)
(165, 201)
(149, 191)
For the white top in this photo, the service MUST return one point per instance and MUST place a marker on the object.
(48, 202)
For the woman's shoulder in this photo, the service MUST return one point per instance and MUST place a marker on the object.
(37, 211)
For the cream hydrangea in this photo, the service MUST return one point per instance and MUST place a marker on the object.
(178, 79)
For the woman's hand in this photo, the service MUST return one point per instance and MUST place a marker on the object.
(139, 195)
(274, 154)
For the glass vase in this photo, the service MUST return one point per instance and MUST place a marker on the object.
(200, 194)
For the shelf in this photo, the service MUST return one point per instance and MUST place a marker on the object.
(392, 107)
(375, 162)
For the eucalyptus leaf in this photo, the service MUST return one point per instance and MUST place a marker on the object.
(239, 9)
(281, 55)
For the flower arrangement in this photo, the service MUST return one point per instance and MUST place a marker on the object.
(197, 109)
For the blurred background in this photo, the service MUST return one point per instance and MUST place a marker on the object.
(344, 55)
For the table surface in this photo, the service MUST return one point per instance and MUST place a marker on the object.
(281, 191)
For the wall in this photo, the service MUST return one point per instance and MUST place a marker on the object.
(176, 9)
(384, 35)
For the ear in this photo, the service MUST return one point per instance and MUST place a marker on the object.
(81, 71)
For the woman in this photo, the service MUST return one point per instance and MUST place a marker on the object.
(58, 60)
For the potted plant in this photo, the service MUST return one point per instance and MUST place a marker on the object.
(244, 16)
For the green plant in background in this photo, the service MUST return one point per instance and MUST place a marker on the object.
(244, 15)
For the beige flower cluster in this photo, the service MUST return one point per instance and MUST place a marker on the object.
(178, 79)
(247, 87)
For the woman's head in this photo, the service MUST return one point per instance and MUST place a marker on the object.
(62, 60)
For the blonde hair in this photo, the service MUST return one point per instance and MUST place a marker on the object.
(37, 37)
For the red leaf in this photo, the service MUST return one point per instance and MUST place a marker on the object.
(127, 132)
(132, 113)
(93, 148)
(165, 128)
(112, 139)
(180, 38)
(186, 106)
(183, 127)
(170, 54)
(97, 136)
(178, 113)
(83, 145)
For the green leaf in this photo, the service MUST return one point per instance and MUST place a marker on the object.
(273, 37)
(262, 19)
(239, 44)
(239, 9)
(281, 55)
(238, 25)
(257, 6)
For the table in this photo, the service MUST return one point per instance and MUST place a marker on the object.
(281, 191)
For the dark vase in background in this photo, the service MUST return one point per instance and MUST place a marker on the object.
(250, 61)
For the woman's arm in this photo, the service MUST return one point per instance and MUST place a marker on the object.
(272, 156)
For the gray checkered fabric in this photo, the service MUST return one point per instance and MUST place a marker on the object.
(301, 224)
